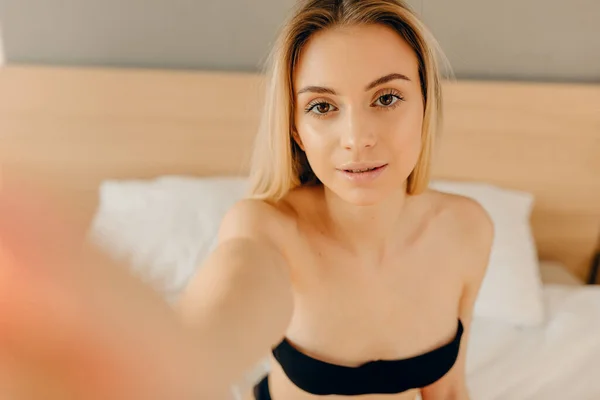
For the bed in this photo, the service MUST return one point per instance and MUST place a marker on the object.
(556, 361)
(75, 129)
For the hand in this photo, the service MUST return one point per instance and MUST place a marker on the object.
(75, 324)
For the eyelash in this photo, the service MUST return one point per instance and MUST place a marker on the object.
(388, 92)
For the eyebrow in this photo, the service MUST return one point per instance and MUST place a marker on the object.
(375, 83)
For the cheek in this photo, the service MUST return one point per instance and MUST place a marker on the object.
(317, 153)
(319, 143)
(406, 141)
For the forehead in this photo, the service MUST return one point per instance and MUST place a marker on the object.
(348, 57)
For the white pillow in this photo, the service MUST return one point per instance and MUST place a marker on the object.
(164, 227)
(512, 288)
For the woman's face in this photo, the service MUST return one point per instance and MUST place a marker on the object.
(359, 106)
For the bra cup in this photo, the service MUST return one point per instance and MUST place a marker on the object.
(376, 377)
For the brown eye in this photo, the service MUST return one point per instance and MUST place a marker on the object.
(323, 108)
(386, 99)
(320, 109)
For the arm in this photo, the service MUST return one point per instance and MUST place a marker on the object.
(479, 236)
(78, 324)
(240, 303)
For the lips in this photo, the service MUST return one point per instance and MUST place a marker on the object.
(363, 174)
(361, 167)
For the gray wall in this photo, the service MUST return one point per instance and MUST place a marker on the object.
(544, 40)
(1, 48)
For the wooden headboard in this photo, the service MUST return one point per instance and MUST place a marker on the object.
(73, 128)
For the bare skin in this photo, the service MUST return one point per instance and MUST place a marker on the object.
(349, 272)
(352, 307)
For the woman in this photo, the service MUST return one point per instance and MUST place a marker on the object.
(359, 279)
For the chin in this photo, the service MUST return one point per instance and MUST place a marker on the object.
(362, 196)
(365, 193)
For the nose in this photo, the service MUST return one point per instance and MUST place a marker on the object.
(358, 132)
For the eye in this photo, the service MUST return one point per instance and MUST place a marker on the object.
(388, 100)
(320, 108)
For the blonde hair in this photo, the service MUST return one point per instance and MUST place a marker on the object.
(278, 164)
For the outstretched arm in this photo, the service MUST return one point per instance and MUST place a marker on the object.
(240, 303)
(74, 324)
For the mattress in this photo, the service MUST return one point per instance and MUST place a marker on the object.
(559, 360)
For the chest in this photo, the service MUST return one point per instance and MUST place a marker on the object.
(353, 310)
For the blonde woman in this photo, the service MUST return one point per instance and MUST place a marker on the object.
(344, 266)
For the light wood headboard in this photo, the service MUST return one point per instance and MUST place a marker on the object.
(73, 128)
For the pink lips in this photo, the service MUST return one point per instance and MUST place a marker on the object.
(363, 177)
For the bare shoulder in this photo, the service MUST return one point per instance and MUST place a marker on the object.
(471, 225)
(468, 215)
(256, 219)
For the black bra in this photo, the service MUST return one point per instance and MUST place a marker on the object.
(374, 377)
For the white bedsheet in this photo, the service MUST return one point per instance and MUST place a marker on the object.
(557, 361)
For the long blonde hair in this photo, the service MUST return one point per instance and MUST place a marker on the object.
(278, 164)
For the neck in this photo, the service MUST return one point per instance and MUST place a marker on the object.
(368, 229)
